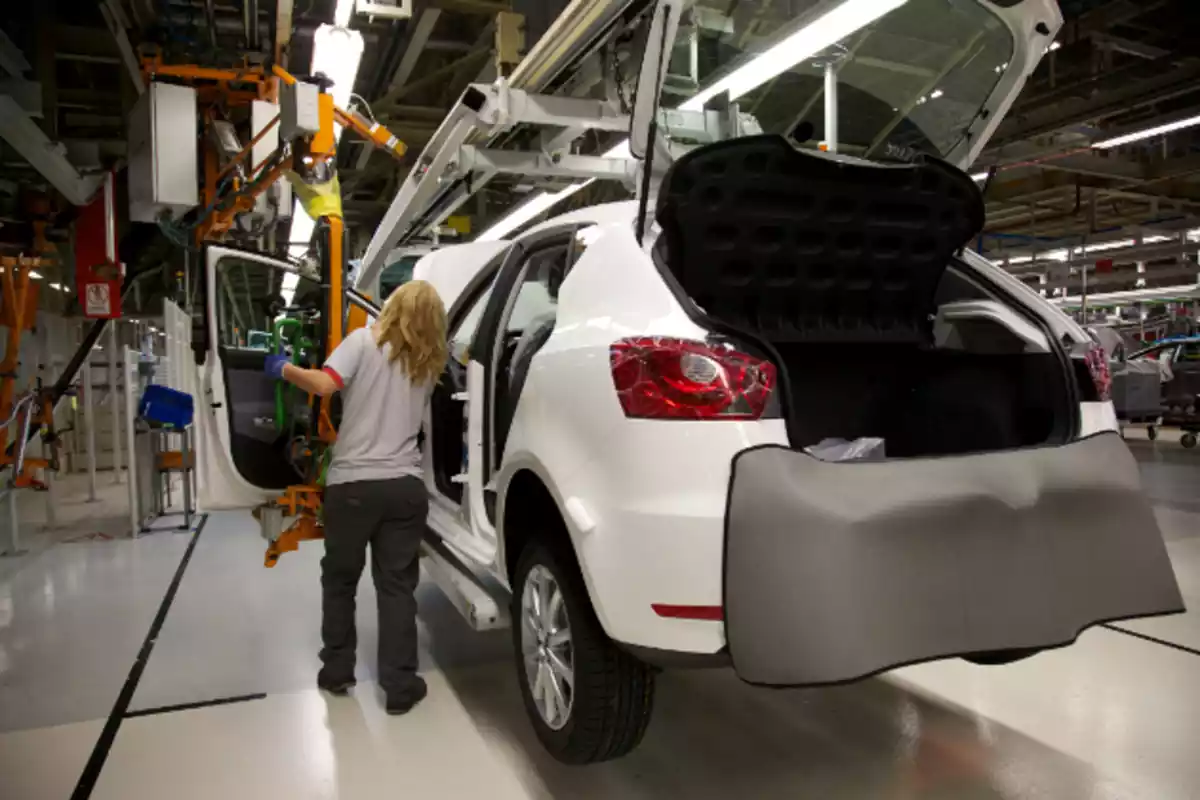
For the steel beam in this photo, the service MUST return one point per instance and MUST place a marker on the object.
(47, 158)
(12, 60)
(1116, 92)
(540, 165)
(417, 39)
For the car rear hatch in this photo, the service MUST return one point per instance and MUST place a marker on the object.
(835, 571)
(994, 529)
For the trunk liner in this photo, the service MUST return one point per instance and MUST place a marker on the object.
(837, 571)
(808, 247)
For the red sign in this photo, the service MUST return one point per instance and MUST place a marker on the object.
(1104, 265)
(97, 273)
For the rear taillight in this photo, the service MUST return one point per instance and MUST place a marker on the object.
(662, 378)
(1097, 365)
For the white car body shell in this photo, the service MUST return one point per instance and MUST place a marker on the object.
(644, 501)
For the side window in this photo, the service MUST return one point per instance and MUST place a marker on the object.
(250, 299)
(460, 340)
(1189, 352)
(536, 302)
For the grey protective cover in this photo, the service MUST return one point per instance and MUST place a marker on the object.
(836, 571)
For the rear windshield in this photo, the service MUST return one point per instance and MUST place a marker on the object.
(912, 81)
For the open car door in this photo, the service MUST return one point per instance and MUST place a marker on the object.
(247, 420)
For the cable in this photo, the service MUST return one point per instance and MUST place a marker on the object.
(366, 105)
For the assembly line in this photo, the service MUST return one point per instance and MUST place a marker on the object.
(724, 397)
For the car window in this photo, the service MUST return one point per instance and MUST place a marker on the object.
(537, 296)
(1189, 351)
(250, 299)
(460, 339)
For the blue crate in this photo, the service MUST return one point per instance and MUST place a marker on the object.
(166, 406)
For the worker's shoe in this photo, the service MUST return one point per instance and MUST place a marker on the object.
(339, 686)
(404, 702)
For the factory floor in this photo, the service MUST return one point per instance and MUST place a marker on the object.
(1115, 716)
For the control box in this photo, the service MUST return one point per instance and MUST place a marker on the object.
(299, 110)
(163, 153)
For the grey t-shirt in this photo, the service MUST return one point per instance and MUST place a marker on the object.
(382, 413)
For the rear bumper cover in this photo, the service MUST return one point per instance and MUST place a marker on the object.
(836, 571)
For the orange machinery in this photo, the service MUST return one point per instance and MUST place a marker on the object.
(243, 85)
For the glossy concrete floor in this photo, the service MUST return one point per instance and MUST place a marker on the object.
(1115, 716)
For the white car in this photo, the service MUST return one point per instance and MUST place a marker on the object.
(621, 440)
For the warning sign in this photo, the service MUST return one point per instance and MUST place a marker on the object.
(97, 300)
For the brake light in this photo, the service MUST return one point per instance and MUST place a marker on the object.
(1097, 364)
(663, 378)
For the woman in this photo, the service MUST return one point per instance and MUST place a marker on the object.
(373, 491)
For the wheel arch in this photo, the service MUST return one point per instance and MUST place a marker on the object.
(530, 503)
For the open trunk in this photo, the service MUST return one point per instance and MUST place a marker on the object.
(841, 270)
(1000, 532)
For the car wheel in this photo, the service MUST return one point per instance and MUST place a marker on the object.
(996, 658)
(1188, 440)
(588, 699)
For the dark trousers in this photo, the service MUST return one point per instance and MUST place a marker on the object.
(390, 516)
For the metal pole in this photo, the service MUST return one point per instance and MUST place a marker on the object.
(135, 517)
(44, 361)
(14, 529)
(831, 106)
(114, 405)
(89, 422)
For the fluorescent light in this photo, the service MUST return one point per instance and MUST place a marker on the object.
(337, 53)
(288, 289)
(1020, 260)
(302, 231)
(1148, 133)
(541, 202)
(979, 176)
(535, 204)
(828, 30)
(341, 14)
(33, 273)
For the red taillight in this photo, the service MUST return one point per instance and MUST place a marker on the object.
(1097, 364)
(661, 378)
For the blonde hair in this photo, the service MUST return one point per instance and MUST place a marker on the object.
(413, 322)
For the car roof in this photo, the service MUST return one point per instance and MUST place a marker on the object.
(603, 214)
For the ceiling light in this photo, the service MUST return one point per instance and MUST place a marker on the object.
(828, 30)
(935, 94)
(534, 205)
(341, 14)
(1053, 46)
(1020, 260)
(337, 52)
(55, 286)
(288, 289)
(541, 202)
(1148, 133)
(979, 176)
(33, 273)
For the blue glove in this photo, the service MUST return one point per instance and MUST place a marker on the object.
(274, 365)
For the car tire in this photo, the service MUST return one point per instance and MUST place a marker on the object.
(996, 658)
(611, 693)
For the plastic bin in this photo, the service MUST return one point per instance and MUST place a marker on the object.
(166, 406)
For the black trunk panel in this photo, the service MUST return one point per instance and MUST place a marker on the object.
(807, 247)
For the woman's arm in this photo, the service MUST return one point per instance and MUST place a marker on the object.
(314, 381)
